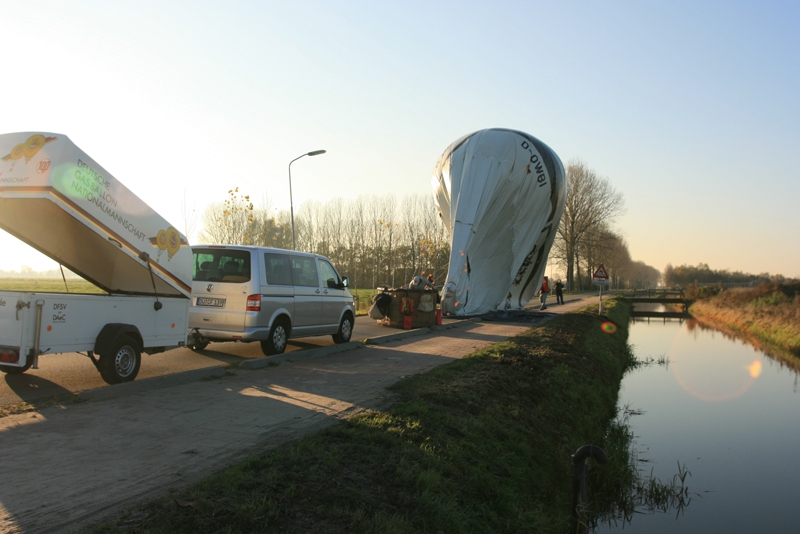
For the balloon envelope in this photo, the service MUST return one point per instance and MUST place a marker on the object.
(500, 194)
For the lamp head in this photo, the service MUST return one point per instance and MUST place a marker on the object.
(316, 153)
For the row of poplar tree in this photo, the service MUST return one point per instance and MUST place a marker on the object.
(383, 241)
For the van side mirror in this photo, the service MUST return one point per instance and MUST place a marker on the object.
(345, 281)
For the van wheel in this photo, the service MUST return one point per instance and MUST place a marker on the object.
(345, 330)
(276, 343)
(200, 345)
(122, 362)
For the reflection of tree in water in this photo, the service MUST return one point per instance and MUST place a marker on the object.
(621, 489)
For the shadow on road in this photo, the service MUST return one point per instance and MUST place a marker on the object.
(30, 388)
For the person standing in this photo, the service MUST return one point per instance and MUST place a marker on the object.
(543, 294)
(559, 292)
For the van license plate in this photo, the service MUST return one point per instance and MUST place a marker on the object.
(215, 303)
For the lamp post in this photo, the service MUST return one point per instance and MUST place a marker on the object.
(291, 203)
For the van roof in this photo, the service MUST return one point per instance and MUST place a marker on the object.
(257, 248)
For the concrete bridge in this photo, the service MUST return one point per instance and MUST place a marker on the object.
(659, 296)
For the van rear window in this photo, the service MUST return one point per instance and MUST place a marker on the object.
(221, 265)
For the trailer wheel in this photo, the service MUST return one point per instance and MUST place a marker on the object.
(278, 336)
(122, 362)
(8, 369)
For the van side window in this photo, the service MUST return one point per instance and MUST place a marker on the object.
(330, 278)
(278, 269)
(304, 271)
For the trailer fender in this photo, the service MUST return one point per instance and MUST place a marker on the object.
(111, 332)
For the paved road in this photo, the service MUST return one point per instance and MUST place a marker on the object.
(60, 374)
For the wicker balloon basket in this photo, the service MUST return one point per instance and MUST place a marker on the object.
(411, 309)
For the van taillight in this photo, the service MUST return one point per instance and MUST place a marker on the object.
(254, 303)
(9, 356)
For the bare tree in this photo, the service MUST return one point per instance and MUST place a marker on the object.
(189, 216)
(230, 221)
(355, 237)
(369, 237)
(591, 203)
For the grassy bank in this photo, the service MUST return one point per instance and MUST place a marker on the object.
(479, 445)
(768, 315)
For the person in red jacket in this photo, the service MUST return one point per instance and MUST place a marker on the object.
(543, 294)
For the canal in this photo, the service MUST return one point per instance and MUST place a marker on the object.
(724, 411)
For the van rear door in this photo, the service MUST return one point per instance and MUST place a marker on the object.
(221, 282)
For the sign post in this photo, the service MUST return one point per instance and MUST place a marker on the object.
(600, 277)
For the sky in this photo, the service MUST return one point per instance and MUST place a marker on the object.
(690, 109)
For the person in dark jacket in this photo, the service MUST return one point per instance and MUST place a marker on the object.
(559, 292)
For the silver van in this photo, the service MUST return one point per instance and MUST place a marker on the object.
(244, 293)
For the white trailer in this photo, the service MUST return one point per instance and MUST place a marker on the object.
(61, 202)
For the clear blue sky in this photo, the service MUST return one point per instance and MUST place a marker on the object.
(689, 108)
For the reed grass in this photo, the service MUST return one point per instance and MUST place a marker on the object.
(768, 314)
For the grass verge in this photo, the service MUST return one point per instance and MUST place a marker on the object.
(768, 315)
(479, 445)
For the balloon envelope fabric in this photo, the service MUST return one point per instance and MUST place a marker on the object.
(500, 194)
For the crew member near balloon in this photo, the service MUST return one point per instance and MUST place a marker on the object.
(559, 292)
(543, 293)
(419, 282)
(433, 286)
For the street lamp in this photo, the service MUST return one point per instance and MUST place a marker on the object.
(291, 203)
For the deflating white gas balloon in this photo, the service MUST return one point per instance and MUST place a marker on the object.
(500, 194)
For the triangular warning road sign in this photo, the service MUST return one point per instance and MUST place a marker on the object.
(600, 273)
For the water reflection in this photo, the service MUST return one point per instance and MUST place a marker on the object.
(726, 410)
(721, 374)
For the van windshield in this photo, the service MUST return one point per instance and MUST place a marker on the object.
(221, 265)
